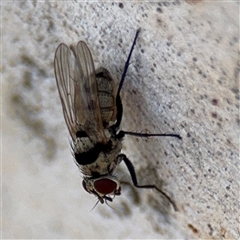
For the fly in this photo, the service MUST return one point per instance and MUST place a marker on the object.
(92, 109)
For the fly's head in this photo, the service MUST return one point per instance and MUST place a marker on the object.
(104, 187)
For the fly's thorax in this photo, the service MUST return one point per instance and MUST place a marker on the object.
(107, 96)
(83, 144)
(105, 162)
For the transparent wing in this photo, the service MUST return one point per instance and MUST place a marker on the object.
(75, 76)
(65, 86)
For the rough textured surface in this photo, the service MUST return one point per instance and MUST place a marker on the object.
(184, 78)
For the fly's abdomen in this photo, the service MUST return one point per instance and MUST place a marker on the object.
(106, 95)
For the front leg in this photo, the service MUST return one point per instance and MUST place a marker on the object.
(135, 182)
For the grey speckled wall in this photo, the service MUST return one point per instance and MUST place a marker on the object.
(183, 78)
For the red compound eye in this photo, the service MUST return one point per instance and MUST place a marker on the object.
(105, 186)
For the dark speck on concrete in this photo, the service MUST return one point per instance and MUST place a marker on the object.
(214, 102)
(169, 43)
(235, 90)
(194, 59)
(176, 3)
(238, 121)
(210, 229)
(166, 4)
(192, 111)
(120, 5)
(214, 115)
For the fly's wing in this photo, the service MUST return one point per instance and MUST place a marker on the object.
(78, 92)
(65, 84)
(89, 102)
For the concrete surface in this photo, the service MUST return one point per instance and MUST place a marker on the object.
(184, 78)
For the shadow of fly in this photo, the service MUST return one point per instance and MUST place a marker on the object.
(92, 109)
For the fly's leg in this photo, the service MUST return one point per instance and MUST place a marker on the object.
(118, 98)
(135, 182)
(121, 134)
